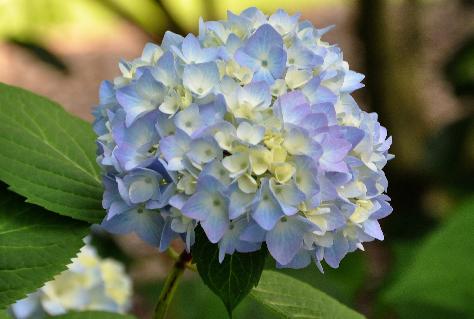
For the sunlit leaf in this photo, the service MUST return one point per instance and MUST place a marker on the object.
(48, 155)
(35, 245)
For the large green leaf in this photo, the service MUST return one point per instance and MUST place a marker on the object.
(342, 283)
(292, 298)
(48, 155)
(35, 245)
(440, 278)
(232, 279)
(93, 315)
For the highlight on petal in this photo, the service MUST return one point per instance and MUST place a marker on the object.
(201, 78)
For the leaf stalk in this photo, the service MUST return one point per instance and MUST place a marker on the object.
(171, 283)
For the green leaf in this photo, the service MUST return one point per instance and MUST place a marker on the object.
(440, 276)
(342, 283)
(93, 315)
(232, 279)
(35, 245)
(48, 155)
(292, 298)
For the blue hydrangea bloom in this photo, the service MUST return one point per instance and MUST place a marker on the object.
(249, 131)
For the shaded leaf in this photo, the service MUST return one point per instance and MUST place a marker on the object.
(342, 283)
(35, 245)
(441, 275)
(232, 279)
(48, 155)
(292, 298)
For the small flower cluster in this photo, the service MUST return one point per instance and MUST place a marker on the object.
(250, 131)
(90, 283)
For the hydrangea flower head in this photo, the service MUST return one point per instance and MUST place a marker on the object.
(249, 131)
(89, 283)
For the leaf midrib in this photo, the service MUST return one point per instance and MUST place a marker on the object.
(44, 139)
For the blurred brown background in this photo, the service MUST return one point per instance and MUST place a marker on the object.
(418, 57)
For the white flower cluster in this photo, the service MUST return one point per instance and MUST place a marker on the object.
(90, 284)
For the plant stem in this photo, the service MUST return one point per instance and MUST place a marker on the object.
(171, 284)
(173, 254)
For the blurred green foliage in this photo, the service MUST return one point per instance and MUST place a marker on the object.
(459, 69)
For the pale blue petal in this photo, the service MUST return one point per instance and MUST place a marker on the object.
(231, 241)
(334, 254)
(210, 184)
(167, 235)
(190, 47)
(262, 41)
(142, 132)
(239, 201)
(147, 225)
(265, 75)
(352, 82)
(217, 170)
(285, 239)
(171, 39)
(317, 93)
(266, 211)
(247, 60)
(174, 147)
(204, 150)
(201, 78)
(214, 112)
(216, 224)
(256, 94)
(253, 233)
(130, 157)
(165, 70)
(188, 120)
(301, 260)
(288, 196)
(164, 125)
(292, 107)
(197, 206)
(372, 228)
(277, 62)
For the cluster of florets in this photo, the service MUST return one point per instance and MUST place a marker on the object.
(89, 283)
(248, 130)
